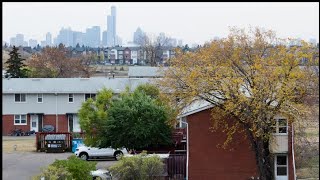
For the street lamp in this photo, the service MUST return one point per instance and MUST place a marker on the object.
(187, 165)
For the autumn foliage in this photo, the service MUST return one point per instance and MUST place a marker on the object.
(251, 76)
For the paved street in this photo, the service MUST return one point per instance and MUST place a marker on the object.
(24, 165)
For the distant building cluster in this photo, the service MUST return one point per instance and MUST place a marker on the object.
(92, 37)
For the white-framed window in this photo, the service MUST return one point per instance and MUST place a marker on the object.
(281, 165)
(70, 98)
(182, 122)
(281, 126)
(20, 119)
(87, 96)
(40, 98)
(20, 98)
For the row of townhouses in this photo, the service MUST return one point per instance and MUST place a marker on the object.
(115, 55)
(31, 103)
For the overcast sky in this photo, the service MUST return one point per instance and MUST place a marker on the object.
(191, 22)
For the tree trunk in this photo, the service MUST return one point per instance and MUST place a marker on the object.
(263, 157)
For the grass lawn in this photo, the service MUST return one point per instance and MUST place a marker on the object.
(23, 145)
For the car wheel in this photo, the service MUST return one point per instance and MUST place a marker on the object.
(118, 155)
(84, 156)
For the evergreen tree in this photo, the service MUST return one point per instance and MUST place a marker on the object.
(15, 65)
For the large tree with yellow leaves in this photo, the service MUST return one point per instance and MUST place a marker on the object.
(250, 76)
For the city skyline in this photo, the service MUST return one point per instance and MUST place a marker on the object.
(194, 23)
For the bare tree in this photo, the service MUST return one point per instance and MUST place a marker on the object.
(154, 47)
(57, 62)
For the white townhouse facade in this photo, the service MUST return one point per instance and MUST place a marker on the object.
(31, 103)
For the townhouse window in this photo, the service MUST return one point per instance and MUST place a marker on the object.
(20, 119)
(281, 165)
(20, 98)
(70, 98)
(182, 123)
(87, 96)
(281, 126)
(40, 98)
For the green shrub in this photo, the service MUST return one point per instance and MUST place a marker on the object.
(121, 69)
(138, 167)
(78, 168)
(53, 173)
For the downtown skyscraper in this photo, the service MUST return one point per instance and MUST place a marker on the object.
(111, 28)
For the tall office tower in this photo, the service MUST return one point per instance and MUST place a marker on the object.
(114, 25)
(96, 36)
(138, 36)
(13, 41)
(110, 38)
(43, 43)
(19, 39)
(111, 28)
(33, 43)
(48, 39)
(93, 36)
(65, 37)
(105, 38)
(25, 43)
(78, 38)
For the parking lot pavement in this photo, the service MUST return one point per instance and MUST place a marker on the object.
(24, 165)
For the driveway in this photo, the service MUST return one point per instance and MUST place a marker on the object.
(24, 165)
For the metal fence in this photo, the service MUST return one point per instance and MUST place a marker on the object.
(176, 166)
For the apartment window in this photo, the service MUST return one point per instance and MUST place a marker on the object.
(70, 98)
(20, 98)
(20, 119)
(40, 98)
(182, 122)
(87, 96)
(281, 165)
(281, 126)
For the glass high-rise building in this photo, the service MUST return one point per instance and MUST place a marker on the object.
(48, 39)
(111, 28)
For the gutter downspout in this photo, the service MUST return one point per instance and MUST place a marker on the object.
(56, 111)
(187, 165)
(292, 150)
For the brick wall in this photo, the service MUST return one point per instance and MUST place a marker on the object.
(8, 123)
(207, 161)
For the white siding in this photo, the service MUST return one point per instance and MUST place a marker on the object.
(47, 107)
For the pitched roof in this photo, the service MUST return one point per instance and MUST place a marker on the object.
(195, 107)
(68, 85)
(146, 71)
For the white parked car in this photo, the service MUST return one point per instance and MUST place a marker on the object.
(86, 153)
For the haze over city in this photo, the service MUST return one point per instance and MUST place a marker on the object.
(193, 23)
